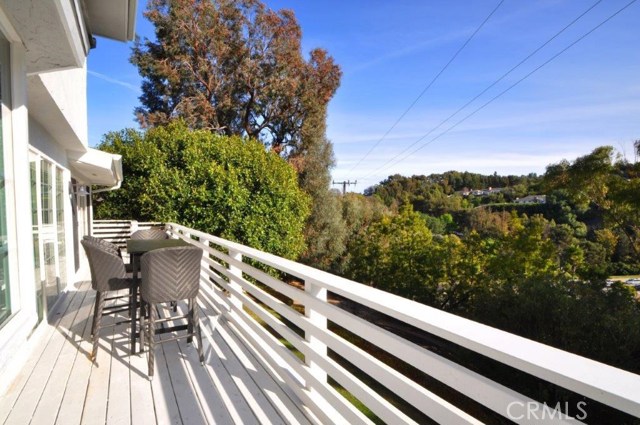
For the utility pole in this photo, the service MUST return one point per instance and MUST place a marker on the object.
(345, 184)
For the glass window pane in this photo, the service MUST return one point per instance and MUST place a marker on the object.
(51, 280)
(48, 235)
(46, 189)
(62, 251)
(39, 284)
(5, 300)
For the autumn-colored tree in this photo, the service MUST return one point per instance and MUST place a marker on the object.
(231, 66)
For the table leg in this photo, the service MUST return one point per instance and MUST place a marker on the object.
(134, 302)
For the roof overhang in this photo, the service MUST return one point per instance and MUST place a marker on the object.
(115, 19)
(49, 106)
(96, 167)
(52, 32)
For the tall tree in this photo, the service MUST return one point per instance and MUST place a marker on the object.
(233, 66)
(236, 67)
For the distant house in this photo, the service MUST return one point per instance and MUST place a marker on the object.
(532, 199)
(480, 192)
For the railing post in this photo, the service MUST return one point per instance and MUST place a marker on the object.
(320, 321)
(235, 271)
(133, 227)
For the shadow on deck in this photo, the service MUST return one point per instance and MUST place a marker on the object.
(59, 385)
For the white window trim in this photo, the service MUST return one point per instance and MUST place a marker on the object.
(68, 219)
(15, 135)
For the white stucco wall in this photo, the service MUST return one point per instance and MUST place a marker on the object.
(58, 101)
(68, 89)
(43, 141)
(52, 31)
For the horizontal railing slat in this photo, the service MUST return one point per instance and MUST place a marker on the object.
(606, 384)
(227, 286)
(268, 346)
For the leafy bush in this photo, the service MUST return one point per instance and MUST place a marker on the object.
(227, 186)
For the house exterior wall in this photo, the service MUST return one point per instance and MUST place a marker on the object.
(58, 101)
(68, 88)
(44, 142)
(44, 116)
(52, 30)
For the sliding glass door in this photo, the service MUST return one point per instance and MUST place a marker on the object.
(49, 248)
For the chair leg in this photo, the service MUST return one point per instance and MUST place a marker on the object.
(143, 329)
(133, 308)
(95, 309)
(152, 331)
(97, 318)
(190, 321)
(196, 322)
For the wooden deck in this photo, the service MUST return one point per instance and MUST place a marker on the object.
(59, 385)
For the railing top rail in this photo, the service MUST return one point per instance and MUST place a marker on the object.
(607, 384)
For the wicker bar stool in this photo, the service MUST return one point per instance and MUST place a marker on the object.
(108, 246)
(108, 274)
(153, 233)
(170, 275)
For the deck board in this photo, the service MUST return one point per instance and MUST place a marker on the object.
(97, 390)
(50, 400)
(60, 385)
(72, 403)
(30, 396)
(143, 411)
(11, 395)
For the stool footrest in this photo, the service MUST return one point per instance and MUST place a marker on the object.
(171, 329)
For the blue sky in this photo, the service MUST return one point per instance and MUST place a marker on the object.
(389, 52)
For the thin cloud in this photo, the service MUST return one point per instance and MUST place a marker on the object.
(410, 49)
(115, 81)
(359, 138)
(496, 22)
(477, 159)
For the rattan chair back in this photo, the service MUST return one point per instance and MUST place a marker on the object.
(108, 246)
(153, 233)
(170, 274)
(107, 269)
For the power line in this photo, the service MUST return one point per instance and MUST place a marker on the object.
(427, 87)
(485, 89)
(501, 93)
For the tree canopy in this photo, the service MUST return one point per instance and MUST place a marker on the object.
(537, 270)
(228, 186)
(235, 67)
(605, 183)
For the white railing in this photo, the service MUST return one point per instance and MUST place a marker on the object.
(230, 285)
(119, 231)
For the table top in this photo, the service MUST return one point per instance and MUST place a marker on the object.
(140, 246)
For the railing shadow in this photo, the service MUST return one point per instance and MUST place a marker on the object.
(112, 339)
